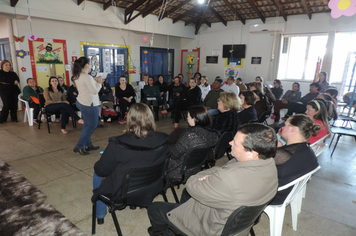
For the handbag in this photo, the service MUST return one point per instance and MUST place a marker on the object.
(35, 99)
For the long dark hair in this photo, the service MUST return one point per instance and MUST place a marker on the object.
(200, 115)
(50, 86)
(79, 65)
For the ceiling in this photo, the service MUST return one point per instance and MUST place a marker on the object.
(212, 11)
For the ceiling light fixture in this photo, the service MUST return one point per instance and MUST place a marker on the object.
(201, 1)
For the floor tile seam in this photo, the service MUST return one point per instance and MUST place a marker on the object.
(333, 181)
(333, 220)
(61, 177)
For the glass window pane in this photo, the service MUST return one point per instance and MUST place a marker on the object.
(296, 57)
(317, 49)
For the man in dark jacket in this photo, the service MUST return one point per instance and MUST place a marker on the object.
(211, 99)
(301, 106)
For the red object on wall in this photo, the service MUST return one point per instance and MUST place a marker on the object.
(74, 58)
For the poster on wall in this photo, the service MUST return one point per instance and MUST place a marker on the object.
(231, 71)
(256, 60)
(48, 53)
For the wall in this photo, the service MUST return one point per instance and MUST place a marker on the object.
(4, 28)
(260, 44)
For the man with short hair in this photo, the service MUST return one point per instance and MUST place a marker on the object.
(301, 106)
(249, 179)
(231, 86)
(211, 99)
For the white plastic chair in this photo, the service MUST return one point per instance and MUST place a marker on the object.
(28, 114)
(319, 146)
(294, 198)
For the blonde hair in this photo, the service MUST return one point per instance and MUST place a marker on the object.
(230, 101)
(140, 120)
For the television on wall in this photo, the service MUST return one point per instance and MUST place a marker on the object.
(239, 51)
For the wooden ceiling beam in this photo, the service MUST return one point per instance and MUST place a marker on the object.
(200, 22)
(280, 9)
(175, 9)
(128, 15)
(151, 9)
(192, 21)
(13, 2)
(218, 15)
(232, 8)
(134, 6)
(181, 16)
(79, 2)
(307, 9)
(255, 8)
(106, 5)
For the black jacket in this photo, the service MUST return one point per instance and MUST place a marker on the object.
(196, 136)
(162, 87)
(192, 95)
(7, 82)
(126, 151)
(227, 121)
(247, 115)
(173, 90)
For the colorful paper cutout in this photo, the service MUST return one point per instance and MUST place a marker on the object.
(145, 39)
(231, 72)
(32, 37)
(20, 53)
(23, 69)
(342, 7)
(17, 39)
(145, 52)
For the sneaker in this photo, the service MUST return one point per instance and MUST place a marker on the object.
(108, 120)
(121, 122)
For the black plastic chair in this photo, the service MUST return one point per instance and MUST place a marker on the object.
(341, 131)
(193, 163)
(242, 220)
(223, 145)
(133, 194)
(43, 111)
(263, 117)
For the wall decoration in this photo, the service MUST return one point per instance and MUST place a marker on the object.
(212, 59)
(145, 52)
(17, 39)
(48, 53)
(32, 37)
(145, 39)
(256, 60)
(342, 7)
(239, 62)
(231, 72)
(42, 69)
(190, 64)
(20, 53)
(23, 69)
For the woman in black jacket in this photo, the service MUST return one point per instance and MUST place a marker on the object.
(249, 113)
(9, 90)
(199, 134)
(140, 146)
(189, 97)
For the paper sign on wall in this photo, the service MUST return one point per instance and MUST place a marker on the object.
(91, 52)
(42, 68)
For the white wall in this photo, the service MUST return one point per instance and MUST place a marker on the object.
(260, 44)
(4, 28)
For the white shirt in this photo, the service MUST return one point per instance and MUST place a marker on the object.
(231, 88)
(204, 90)
(88, 90)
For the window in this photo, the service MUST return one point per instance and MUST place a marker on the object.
(299, 56)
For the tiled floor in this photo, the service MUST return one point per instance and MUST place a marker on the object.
(47, 161)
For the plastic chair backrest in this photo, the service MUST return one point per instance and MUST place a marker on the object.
(222, 144)
(241, 219)
(298, 185)
(140, 177)
(319, 146)
(194, 159)
(20, 97)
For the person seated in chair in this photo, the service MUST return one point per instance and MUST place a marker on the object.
(72, 95)
(249, 113)
(56, 101)
(140, 146)
(296, 158)
(210, 197)
(126, 95)
(227, 119)
(231, 86)
(175, 90)
(64, 87)
(163, 87)
(152, 95)
(32, 91)
(211, 99)
(301, 106)
(199, 134)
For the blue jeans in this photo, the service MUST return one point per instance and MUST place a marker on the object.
(90, 115)
(66, 111)
(213, 112)
(100, 206)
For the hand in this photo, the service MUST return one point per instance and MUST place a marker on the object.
(161, 94)
(16, 82)
(177, 94)
(66, 102)
(99, 79)
(75, 94)
(129, 99)
(204, 177)
(284, 101)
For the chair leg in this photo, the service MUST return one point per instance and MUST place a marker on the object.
(294, 205)
(93, 223)
(276, 218)
(252, 232)
(39, 123)
(49, 131)
(337, 140)
(332, 141)
(174, 194)
(117, 226)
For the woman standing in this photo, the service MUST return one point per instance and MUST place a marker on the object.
(204, 87)
(296, 158)
(87, 102)
(56, 102)
(140, 146)
(9, 90)
(126, 95)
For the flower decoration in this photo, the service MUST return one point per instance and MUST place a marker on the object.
(32, 37)
(145, 39)
(342, 7)
(23, 69)
(145, 61)
(20, 53)
(145, 52)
